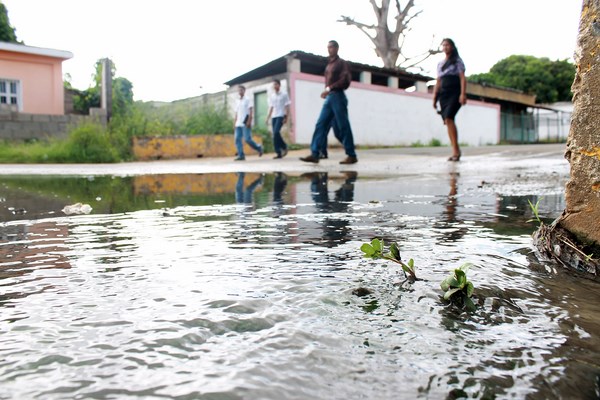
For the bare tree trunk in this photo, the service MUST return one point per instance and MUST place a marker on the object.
(574, 238)
(388, 43)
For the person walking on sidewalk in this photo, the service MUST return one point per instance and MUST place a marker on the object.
(279, 108)
(243, 125)
(335, 109)
(451, 91)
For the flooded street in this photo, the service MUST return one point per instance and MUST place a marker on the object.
(243, 285)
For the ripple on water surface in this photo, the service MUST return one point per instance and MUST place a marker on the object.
(234, 301)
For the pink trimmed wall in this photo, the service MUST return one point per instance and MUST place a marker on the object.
(384, 116)
(41, 81)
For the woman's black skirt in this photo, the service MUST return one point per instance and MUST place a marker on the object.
(449, 96)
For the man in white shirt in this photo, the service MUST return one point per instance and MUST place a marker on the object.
(243, 125)
(279, 107)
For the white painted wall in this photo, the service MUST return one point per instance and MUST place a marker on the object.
(382, 116)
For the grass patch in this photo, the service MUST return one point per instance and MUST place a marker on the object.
(88, 143)
(432, 143)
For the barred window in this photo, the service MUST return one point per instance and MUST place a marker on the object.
(9, 92)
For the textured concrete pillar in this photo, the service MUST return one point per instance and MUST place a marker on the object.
(582, 213)
(421, 87)
(293, 64)
(106, 89)
(365, 77)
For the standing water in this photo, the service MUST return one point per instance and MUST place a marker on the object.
(244, 286)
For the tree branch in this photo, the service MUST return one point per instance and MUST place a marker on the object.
(402, 14)
(363, 27)
(376, 8)
(424, 56)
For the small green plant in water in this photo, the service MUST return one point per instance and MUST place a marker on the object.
(458, 289)
(536, 211)
(375, 250)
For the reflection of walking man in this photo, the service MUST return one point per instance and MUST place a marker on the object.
(278, 187)
(244, 196)
(279, 106)
(335, 108)
(336, 225)
(243, 124)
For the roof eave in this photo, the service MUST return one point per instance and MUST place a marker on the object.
(38, 51)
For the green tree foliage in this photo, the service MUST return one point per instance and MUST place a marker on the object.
(550, 81)
(7, 32)
(122, 95)
(122, 91)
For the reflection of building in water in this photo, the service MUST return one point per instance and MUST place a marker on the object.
(27, 248)
(187, 183)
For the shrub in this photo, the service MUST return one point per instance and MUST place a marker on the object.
(435, 142)
(208, 120)
(87, 143)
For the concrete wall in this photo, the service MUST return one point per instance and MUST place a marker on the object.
(383, 116)
(40, 80)
(196, 146)
(23, 126)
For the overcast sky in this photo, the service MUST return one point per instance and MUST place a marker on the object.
(176, 49)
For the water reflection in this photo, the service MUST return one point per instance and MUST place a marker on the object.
(251, 279)
(26, 249)
(245, 194)
(451, 226)
(279, 186)
(336, 225)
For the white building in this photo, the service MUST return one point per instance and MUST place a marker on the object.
(382, 111)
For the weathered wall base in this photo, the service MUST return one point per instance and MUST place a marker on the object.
(171, 147)
(582, 213)
(558, 244)
(22, 126)
(574, 238)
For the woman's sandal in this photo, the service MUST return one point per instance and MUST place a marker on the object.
(454, 158)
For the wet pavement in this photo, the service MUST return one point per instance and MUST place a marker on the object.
(381, 161)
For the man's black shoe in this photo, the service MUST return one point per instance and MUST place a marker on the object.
(310, 159)
(349, 160)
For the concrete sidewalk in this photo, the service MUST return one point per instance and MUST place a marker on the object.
(380, 161)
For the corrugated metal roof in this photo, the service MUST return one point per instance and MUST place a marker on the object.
(279, 66)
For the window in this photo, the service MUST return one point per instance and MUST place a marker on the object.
(9, 92)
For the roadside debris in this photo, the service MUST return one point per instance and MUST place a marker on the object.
(77, 208)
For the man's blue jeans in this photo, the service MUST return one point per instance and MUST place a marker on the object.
(278, 142)
(245, 133)
(335, 110)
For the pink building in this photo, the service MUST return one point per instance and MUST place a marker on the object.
(31, 79)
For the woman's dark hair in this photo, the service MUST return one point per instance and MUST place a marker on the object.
(453, 55)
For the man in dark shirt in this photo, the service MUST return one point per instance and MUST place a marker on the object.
(335, 109)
